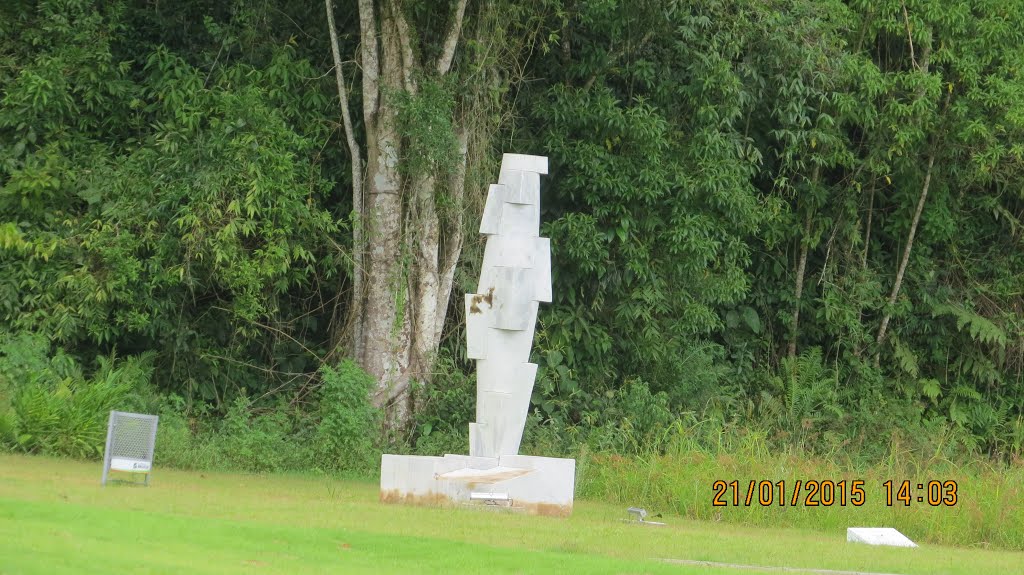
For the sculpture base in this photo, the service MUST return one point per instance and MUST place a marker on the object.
(536, 485)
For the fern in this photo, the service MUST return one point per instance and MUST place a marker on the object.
(979, 327)
(965, 392)
(980, 368)
(7, 429)
(68, 415)
(808, 394)
(37, 415)
(905, 358)
(931, 388)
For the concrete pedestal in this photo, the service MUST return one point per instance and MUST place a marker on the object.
(536, 485)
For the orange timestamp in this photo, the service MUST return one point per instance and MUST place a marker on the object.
(826, 493)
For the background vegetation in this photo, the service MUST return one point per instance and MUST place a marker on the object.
(791, 220)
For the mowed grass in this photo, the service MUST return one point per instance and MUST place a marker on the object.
(55, 518)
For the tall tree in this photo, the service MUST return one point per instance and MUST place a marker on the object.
(410, 175)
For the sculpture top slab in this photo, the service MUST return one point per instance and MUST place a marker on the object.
(524, 162)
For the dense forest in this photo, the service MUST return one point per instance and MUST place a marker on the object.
(258, 218)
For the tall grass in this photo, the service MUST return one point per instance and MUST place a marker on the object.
(678, 478)
(337, 436)
(50, 404)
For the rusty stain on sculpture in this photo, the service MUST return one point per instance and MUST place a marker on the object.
(428, 499)
(478, 299)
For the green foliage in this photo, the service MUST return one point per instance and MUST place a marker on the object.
(69, 419)
(153, 203)
(425, 123)
(980, 328)
(27, 356)
(641, 417)
(176, 445)
(445, 408)
(705, 161)
(651, 192)
(338, 436)
(174, 187)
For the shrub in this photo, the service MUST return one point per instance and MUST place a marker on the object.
(255, 442)
(70, 419)
(344, 438)
(176, 444)
(444, 441)
(444, 409)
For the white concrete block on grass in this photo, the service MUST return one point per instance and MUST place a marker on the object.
(878, 536)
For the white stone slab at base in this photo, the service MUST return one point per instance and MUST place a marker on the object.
(878, 536)
(538, 485)
(488, 476)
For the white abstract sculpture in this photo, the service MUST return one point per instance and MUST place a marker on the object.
(500, 317)
(500, 321)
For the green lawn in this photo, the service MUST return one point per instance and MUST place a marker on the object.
(55, 518)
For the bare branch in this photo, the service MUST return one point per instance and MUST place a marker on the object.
(910, 37)
(906, 250)
(444, 63)
(339, 76)
(405, 40)
(357, 177)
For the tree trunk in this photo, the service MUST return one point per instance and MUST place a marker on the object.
(385, 320)
(906, 251)
(894, 294)
(800, 273)
(426, 281)
(402, 277)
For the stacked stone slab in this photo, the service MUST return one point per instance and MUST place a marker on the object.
(500, 321)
